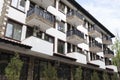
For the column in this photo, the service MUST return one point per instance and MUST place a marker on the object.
(57, 4)
(27, 6)
(23, 32)
(30, 69)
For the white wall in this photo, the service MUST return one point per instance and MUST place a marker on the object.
(98, 62)
(82, 29)
(39, 45)
(16, 15)
(1, 5)
(56, 33)
(81, 58)
(112, 67)
(57, 13)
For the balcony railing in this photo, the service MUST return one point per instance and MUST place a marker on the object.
(76, 13)
(75, 32)
(107, 40)
(108, 53)
(94, 31)
(95, 46)
(75, 18)
(39, 17)
(75, 36)
(42, 13)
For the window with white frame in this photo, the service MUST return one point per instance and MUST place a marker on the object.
(19, 4)
(13, 30)
(61, 26)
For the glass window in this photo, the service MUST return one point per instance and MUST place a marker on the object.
(9, 30)
(13, 30)
(68, 47)
(49, 38)
(61, 26)
(61, 7)
(22, 3)
(61, 46)
(19, 4)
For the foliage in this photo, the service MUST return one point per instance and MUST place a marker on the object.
(105, 76)
(50, 72)
(12, 71)
(116, 48)
(115, 76)
(78, 74)
(95, 76)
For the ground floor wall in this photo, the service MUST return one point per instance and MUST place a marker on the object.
(33, 67)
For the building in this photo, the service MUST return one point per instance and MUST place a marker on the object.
(60, 32)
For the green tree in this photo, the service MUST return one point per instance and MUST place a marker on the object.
(116, 48)
(50, 72)
(115, 76)
(105, 76)
(78, 74)
(12, 71)
(95, 76)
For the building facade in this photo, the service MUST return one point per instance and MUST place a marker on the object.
(59, 32)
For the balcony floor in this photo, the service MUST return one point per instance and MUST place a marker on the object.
(107, 42)
(74, 39)
(74, 20)
(95, 49)
(34, 20)
(94, 33)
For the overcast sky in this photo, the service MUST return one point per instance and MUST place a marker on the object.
(105, 11)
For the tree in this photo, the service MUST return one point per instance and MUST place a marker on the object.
(78, 74)
(95, 76)
(50, 72)
(12, 71)
(116, 48)
(105, 76)
(115, 76)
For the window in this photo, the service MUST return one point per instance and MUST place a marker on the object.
(29, 32)
(19, 4)
(13, 30)
(68, 47)
(79, 50)
(61, 46)
(61, 7)
(49, 38)
(61, 26)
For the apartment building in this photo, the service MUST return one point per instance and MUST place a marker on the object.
(60, 32)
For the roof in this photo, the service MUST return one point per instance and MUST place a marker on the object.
(6, 40)
(80, 8)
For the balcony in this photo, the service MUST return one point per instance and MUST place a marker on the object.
(79, 56)
(45, 3)
(39, 45)
(39, 17)
(75, 18)
(107, 40)
(94, 32)
(75, 37)
(95, 46)
(109, 65)
(108, 53)
(98, 62)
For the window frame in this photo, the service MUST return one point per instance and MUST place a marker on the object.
(13, 22)
(59, 51)
(18, 6)
(61, 28)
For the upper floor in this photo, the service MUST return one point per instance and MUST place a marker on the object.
(63, 26)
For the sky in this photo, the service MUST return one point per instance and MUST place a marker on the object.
(107, 12)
